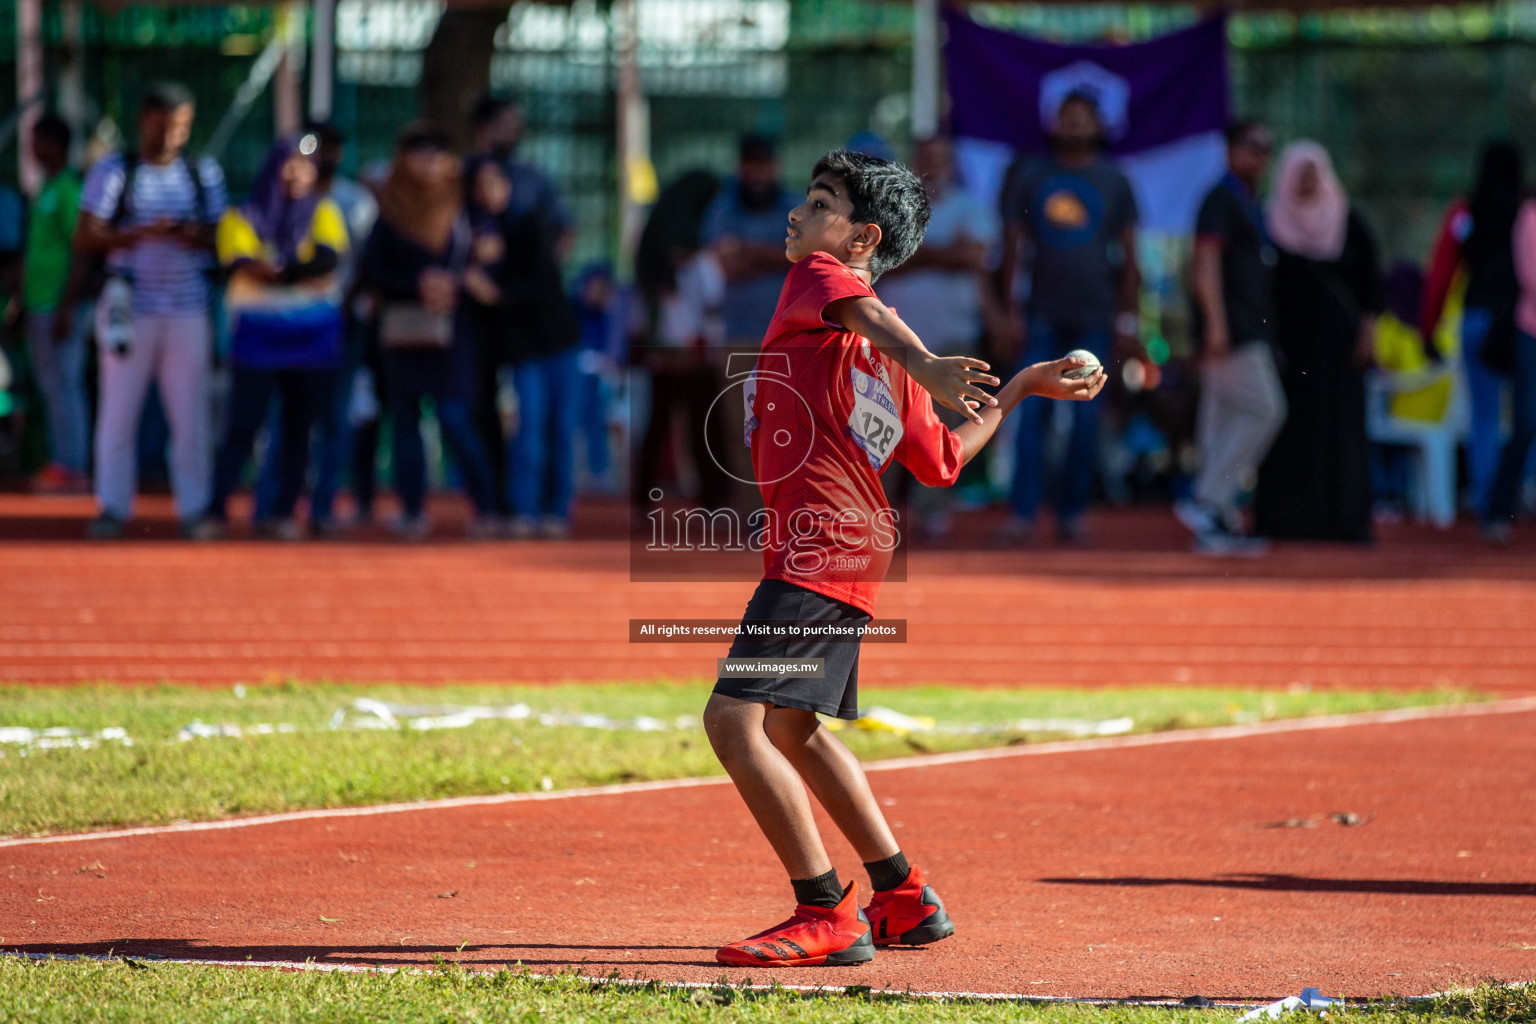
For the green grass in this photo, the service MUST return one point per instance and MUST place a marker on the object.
(114, 991)
(161, 780)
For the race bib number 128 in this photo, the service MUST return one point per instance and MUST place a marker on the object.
(874, 423)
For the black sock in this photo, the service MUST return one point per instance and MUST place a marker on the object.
(821, 891)
(889, 873)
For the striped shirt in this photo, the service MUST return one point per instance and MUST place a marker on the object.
(168, 276)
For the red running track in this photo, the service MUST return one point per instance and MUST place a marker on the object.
(1418, 610)
(1116, 871)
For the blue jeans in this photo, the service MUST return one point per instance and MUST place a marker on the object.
(60, 370)
(453, 418)
(1504, 498)
(302, 395)
(1485, 388)
(540, 474)
(1080, 465)
(594, 397)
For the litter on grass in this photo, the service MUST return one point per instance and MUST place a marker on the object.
(369, 713)
(882, 719)
(1310, 1000)
(199, 730)
(61, 738)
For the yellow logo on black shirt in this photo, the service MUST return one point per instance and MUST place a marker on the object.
(1063, 209)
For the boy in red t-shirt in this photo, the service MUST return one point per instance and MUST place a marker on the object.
(834, 398)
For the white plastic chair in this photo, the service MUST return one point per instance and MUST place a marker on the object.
(1432, 490)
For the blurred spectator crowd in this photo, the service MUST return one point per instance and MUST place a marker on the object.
(422, 324)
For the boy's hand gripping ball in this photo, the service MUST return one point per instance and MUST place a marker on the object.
(1087, 370)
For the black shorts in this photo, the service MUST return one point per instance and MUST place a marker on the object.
(837, 692)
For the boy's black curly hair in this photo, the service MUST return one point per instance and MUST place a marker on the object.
(886, 194)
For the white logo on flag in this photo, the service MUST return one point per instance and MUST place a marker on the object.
(1109, 92)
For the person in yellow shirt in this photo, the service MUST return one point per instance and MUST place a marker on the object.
(281, 250)
(1401, 350)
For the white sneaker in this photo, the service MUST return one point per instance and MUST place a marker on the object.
(522, 527)
(554, 528)
(1219, 542)
(1197, 519)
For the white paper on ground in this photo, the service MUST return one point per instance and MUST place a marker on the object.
(1310, 1000)
(62, 737)
(370, 713)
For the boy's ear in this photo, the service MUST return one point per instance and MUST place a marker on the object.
(865, 240)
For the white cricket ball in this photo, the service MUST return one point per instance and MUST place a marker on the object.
(1081, 372)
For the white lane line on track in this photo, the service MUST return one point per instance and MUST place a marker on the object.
(1225, 732)
(1221, 732)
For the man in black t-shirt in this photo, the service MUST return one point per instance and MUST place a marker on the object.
(1070, 221)
(1242, 404)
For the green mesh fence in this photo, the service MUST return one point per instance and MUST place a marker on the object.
(1402, 98)
(1404, 124)
(208, 48)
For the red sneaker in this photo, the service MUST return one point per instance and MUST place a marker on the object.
(814, 937)
(910, 914)
(55, 479)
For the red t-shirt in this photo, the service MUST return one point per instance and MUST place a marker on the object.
(826, 413)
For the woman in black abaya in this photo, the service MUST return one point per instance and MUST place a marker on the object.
(1316, 482)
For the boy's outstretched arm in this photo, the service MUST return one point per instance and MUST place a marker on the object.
(1043, 379)
(951, 380)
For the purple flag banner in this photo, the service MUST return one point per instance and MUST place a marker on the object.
(1163, 104)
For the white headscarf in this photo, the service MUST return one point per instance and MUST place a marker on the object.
(1313, 227)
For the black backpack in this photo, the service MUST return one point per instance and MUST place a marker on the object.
(96, 278)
